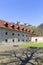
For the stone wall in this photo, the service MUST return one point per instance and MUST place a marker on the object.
(12, 37)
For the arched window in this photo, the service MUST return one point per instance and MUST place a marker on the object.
(18, 27)
(26, 30)
(22, 29)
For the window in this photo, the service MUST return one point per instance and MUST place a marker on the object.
(12, 33)
(12, 26)
(13, 40)
(23, 40)
(18, 27)
(23, 35)
(6, 40)
(26, 35)
(18, 40)
(26, 40)
(35, 40)
(18, 34)
(6, 33)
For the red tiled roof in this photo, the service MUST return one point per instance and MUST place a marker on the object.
(11, 26)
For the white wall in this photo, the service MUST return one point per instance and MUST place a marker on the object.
(39, 39)
(10, 37)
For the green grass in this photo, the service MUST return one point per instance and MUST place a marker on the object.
(32, 44)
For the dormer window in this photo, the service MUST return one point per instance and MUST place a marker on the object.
(23, 29)
(6, 33)
(23, 35)
(6, 24)
(32, 31)
(26, 30)
(18, 27)
(29, 30)
(12, 26)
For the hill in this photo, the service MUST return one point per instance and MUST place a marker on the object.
(40, 28)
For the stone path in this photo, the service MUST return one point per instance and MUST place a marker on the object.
(22, 56)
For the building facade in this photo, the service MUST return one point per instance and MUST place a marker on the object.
(37, 39)
(13, 33)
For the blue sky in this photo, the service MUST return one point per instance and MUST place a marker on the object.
(25, 11)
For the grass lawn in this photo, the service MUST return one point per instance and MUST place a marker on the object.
(32, 44)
